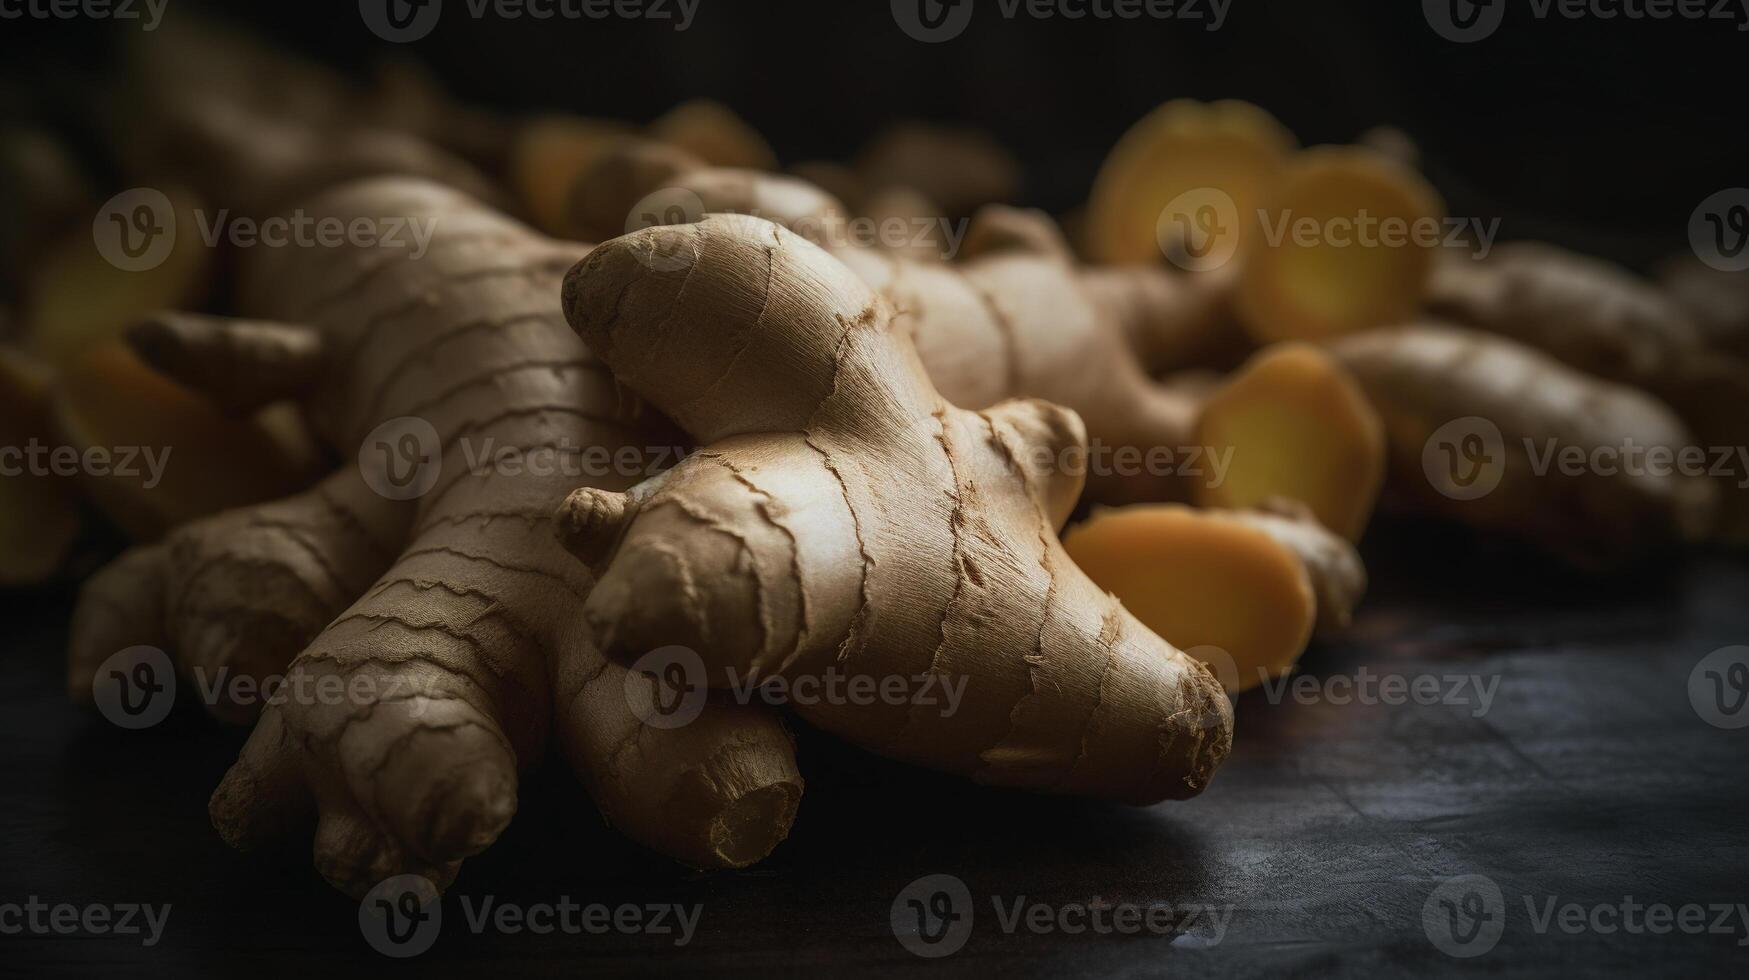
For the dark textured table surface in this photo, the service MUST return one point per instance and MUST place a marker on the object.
(1562, 760)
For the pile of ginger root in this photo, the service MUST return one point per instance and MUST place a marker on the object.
(1105, 480)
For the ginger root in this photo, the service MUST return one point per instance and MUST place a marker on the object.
(713, 132)
(1607, 322)
(1015, 317)
(957, 169)
(841, 516)
(454, 615)
(1315, 271)
(1476, 424)
(1159, 175)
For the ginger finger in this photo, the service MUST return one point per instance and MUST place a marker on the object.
(1469, 415)
(1607, 322)
(930, 547)
(469, 650)
(241, 365)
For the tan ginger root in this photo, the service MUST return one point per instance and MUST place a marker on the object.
(1605, 321)
(39, 520)
(455, 614)
(1315, 271)
(1445, 392)
(841, 516)
(1156, 178)
(1239, 590)
(957, 169)
(1017, 318)
(713, 132)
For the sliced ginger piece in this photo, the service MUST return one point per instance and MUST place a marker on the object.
(39, 516)
(547, 156)
(1217, 588)
(1298, 426)
(1185, 146)
(77, 299)
(713, 132)
(1319, 271)
(187, 458)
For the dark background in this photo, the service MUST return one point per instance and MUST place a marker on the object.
(1596, 133)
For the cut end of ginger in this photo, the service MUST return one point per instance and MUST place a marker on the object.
(77, 298)
(1295, 425)
(1218, 589)
(1177, 158)
(547, 157)
(1350, 243)
(182, 457)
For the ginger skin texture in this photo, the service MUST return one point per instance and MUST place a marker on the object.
(1421, 378)
(1604, 321)
(456, 614)
(841, 516)
(1016, 317)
